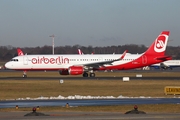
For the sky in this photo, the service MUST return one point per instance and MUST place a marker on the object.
(29, 23)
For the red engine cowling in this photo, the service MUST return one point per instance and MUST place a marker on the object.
(73, 70)
(76, 70)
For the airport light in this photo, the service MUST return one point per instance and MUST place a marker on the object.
(52, 43)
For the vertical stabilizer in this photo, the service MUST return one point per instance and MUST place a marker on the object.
(158, 47)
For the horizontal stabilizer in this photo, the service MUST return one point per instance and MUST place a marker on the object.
(164, 58)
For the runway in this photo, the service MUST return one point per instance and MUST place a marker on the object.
(88, 78)
(60, 77)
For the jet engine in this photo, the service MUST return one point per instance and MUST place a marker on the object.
(73, 70)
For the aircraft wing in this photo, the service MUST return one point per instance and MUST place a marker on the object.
(101, 64)
(163, 65)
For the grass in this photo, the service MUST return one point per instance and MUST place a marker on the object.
(13, 89)
(34, 88)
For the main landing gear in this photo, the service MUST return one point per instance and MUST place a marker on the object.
(92, 74)
(24, 74)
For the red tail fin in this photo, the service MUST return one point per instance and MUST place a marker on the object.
(20, 52)
(158, 47)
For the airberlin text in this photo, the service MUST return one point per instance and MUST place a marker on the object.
(45, 60)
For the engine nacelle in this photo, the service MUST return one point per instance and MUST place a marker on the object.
(73, 70)
(76, 70)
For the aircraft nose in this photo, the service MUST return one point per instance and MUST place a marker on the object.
(8, 65)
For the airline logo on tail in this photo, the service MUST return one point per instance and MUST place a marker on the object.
(160, 43)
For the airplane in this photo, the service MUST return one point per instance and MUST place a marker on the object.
(81, 53)
(83, 64)
(20, 52)
(170, 64)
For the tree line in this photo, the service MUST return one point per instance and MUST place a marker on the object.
(8, 52)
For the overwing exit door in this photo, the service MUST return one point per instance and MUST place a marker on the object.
(25, 60)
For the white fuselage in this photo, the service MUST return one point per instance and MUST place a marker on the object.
(55, 62)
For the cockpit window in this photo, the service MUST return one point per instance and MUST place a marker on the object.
(14, 60)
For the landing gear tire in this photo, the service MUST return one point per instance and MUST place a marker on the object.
(85, 74)
(92, 74)
(24, 76)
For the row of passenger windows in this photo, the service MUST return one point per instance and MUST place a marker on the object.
(97, 59)
(87, 59)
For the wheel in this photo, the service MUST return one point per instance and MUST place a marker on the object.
(85, 74)
(92, 74)
(24, 76)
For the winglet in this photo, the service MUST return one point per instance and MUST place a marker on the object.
(123, 54)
